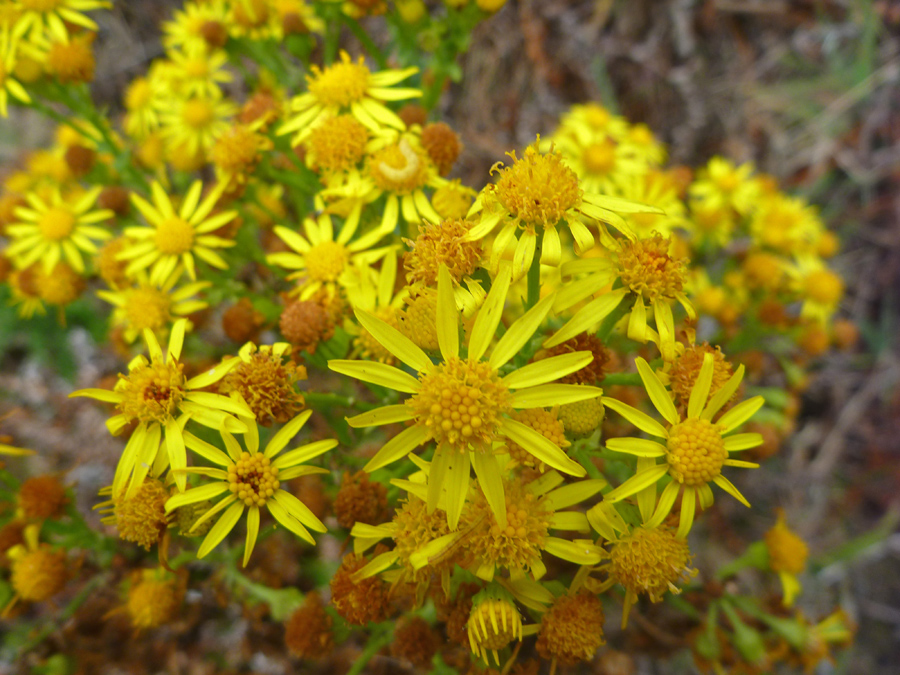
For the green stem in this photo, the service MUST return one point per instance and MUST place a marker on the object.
(381, 638)
(534, 278)
(434, 90)
(622, 378)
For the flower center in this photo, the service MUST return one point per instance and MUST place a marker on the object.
(174, 235)
(441, 244)
(147, 307)
(600, 157)
(650, 561)
(338, 144)
(236, 150)
(461, 403)
(340, 84)
(728, 181)
(538, 189)
(597, 117)
(138, 95)
(253, 478)
(398, 168)
(57, 223)
(197, 113)
(326, 261)
(418, 320)
(517, 546)
(196, 68)
(151, 392)
(696, 452)
(647, 269)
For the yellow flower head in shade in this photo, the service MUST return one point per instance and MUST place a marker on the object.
(413, 530)
(51, 16)
(153, 306)
(787, 556)
(572, 629)
(8, 85)
(535, 194)
(140, 517)
(253, 480)
(199, 23)
(493, 623)
(696, 448)
(154, 598)
(348, 86)
(37, 571)
(462, 403)
(153, 393)
(172, 238)
(190, 125)
(532, 509)
(49, 230)
(647, 273)
(266, 382)
(323, 261)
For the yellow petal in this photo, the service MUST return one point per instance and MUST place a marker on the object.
(547, 370)
(742, 441)
(665, 504)
(376, 373)
(394, 341)
(662, 401)
(548, 395)
(489, 316)
(286, 433)
(221, 529)
(688, 506)
(726, 485)
(448, 483)
(639, 419)
(639, 447)
(592, 313)
(540, 447)
(740, 413)
(580, 552)
(519, 333)
(195, 495)
(304, 453)
(252, 532)
(574, 493)
(489, 479)
(291, 523)
(637, 483)
(398, 447)
(700, 390)
(723, 395)
(299, 510)
(389, 414)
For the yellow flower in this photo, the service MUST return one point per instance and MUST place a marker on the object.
(493, 623)
(196, 70)
(37, 572)
(535, 194)
(788, 225)
(173, 239)
(190, 125)
(195, 23)
(787, 557)
(373, 291)
(39, 16)
(152, 306)
(152, 394)
(344, 86)
(647, 272)
(696, 448)
(323, 260)
(721, 184)
(463, 404)
(8, 85)
(253, 479)
(56, 228)
(400, 169)
(820, 288)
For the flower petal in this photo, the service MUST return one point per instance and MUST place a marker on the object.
(742, 441)
(389, 414)
(376, 373)
(252, 532)
(221, 529)
(286, 434)
(394, 341)
(662, 401)
(727, 485)
(447, 318)
(540, 447)
(548, 395)
(299, 510)
(398, 447)
(547, 370)
(740, 413)
(580, 552)
(700, 390)
(489, 479)
(639, 419)
(489, 316)
(592, 313)
(688, 507)
(639, 447)
(519, 333)
(637, 482)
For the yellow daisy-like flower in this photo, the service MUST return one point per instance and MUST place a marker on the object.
(153, 306)
(198, 71)
(39, 16)
(176, 237)
(721, 184)
(253, 479)
(463, 404)
(348, 86)
(535, 194)
(55, 228)
(400, 169)
(787, 556)
(696, 448)
(373, 292)
(153, 393)
(647, 272)
(8, 85)
(323, 260)
(820, 288)
(191, 25)
(191, 124)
